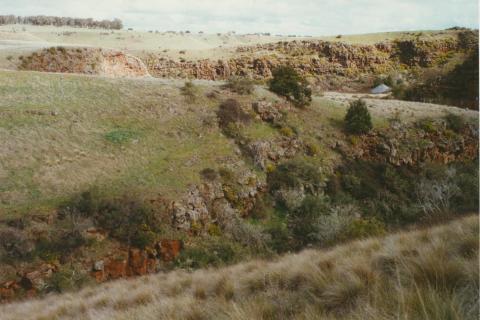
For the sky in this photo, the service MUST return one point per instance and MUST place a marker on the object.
(300, 17)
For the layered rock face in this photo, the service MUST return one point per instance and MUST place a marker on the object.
(216, 201)
(412, 147)
(108, 63)
(308, 57)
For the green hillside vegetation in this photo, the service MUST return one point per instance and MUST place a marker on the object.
(96, 169)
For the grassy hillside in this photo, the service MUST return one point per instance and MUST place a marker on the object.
(425, 274)
(62, 134)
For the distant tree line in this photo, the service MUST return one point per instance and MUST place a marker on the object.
(62, 21)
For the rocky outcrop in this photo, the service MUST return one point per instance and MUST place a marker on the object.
(136, 262)
(9, 290)
(265, 151)
(268, 111)
(411, 147)
(28, 283)
(169, 249)
(110, 63)
(36, 279)
(308, 57)
(212, 201)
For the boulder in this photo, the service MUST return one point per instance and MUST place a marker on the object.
(115, 268)
(267, 111)
(137, 262)
(169, 249)
(8, 290)
(37, 279)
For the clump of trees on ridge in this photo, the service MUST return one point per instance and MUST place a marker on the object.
(42, 20)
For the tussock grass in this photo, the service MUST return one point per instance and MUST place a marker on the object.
(426, 274)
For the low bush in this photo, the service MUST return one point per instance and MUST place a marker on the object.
(287, 132)
(209, 174)
(312, 149)
(241, 85)
(455, 122)
(190, 91)
(280, 238)
(403, 195)
(68, 278)
(129, 220)
(230, 111)
(427, 125)
(288, 83)
(303, 221)
(210, 251)
(364, 228)
(358, 119)
(15, 244)
(246, 234)
(295, 174)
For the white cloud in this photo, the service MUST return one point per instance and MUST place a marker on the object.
(276, 16)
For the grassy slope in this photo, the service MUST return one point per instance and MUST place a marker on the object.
(426, 274)
(63, 133)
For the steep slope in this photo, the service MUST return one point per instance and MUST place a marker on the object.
(427, 274)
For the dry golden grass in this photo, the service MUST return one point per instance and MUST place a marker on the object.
(425, 274)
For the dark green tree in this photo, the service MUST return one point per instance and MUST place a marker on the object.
(288, 83)
(358, 119)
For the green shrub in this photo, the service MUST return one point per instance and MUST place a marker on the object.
(129, 220)
(241, 85)
(455, 122)
(14, 244)
(190, 91)
(288, 83)
(263, 208)
(427, 125)
(358, 119)
(209, 174)
(287, 132)
(60, 243)
(303, 222)
(312, 149)
(279, 235)
(68, 278)
(209, 252)
(466, 179)
(294, 174)
(363, 228)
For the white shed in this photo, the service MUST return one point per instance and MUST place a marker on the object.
(381, 89)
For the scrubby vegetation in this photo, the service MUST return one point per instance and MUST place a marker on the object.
(458, 87)
(190, 92)
(288, 83)
(241, 85)
(426, 274)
